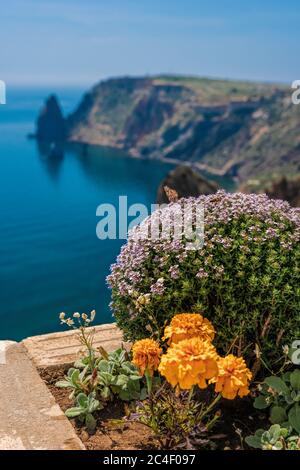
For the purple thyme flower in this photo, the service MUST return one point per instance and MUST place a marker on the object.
(158, 287)
(174, 271)
(201, 273)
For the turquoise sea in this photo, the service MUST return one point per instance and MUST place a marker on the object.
(50, 257)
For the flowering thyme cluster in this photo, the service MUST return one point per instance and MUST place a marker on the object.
(245, 277)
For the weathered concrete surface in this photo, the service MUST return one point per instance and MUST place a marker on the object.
(64, 348)
(29, 416)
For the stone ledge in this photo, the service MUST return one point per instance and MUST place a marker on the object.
(63, 348)
(30, 419)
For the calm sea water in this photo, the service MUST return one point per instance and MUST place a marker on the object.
(50, 257)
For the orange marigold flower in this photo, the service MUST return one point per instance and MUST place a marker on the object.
(146, 355)
(189, 325)
(233, 378)
(189, 362)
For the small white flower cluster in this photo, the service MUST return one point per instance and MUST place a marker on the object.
(82, 319)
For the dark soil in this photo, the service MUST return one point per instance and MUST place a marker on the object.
(110, 434)
(238, 420)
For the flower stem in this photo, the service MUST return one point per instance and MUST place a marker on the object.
(89, 346)
(190, 395)
(148, 382)
(211, 406)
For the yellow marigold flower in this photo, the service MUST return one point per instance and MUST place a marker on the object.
(189, 362)
(189, 325)
(146, 355)
(233, 378)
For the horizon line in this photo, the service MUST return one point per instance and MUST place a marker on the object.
(90, 82)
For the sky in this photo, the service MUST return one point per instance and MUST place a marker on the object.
(79, 42)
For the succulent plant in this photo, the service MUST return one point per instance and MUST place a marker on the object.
(84, 409)
(275, 438)
(118, 376)
(282, 396)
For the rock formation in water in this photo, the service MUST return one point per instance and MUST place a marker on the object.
(51, 125)
(186, 182)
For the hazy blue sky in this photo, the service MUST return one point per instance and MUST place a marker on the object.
(81, 41)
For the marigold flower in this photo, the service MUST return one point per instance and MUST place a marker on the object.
(189, 362)
(233, 378)
(189, 325)
(146, 355)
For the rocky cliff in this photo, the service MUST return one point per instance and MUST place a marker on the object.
(186, 182)
(288, 190)
(246, 130)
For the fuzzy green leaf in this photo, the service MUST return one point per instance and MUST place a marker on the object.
(294, 417)
(73, 412)
(255, 440)
(260, 403)
(82, 400)
(277, 384)
(63, 384)
(295, 380)
(90, 422)
(277, 415)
